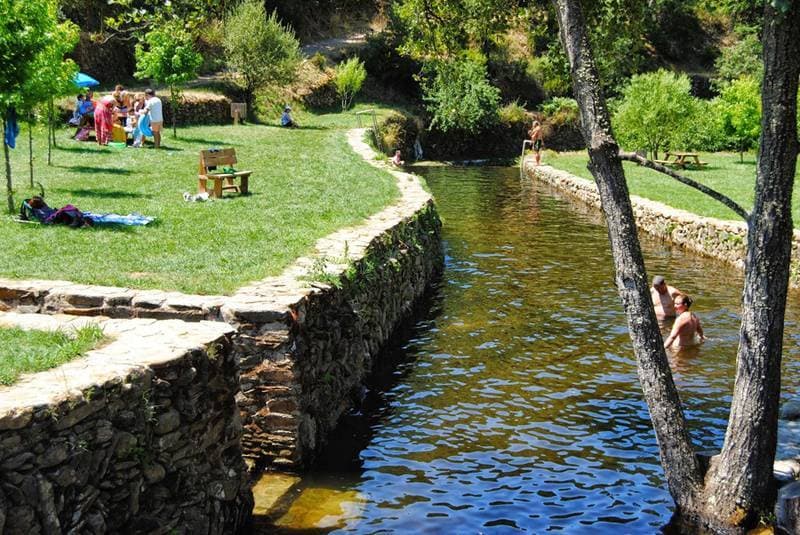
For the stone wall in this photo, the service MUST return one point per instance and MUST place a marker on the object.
(724, 240)
(304, 340)
(139, 436)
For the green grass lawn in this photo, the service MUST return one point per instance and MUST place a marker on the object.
(724, 173)
(24, 351)
(306, 183)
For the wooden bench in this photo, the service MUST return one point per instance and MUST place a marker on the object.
(212, 162)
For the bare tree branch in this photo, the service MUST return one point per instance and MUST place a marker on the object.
(650, 164)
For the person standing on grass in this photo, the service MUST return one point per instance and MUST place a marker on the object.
(104, 119)
(154, 108)
(536, 139)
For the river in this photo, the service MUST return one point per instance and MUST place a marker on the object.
(513, 404)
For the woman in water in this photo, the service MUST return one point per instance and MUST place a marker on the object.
(687, 330)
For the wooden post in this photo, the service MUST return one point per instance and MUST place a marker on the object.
(238, 111)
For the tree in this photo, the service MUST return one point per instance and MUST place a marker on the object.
(51, 76)
(26, 28)
(259, 48)
(741, 58)
(170, 58)
(655, 110)
(739, 108)
(460, 97)
(734, 488)
(350, 76)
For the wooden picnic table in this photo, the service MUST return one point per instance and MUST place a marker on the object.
(682, 159)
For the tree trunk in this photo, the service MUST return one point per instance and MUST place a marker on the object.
(682, 468)
(740, 479)
(174, 98)
(51, 132)
(30, 147)
(9, 186)
(738, 485)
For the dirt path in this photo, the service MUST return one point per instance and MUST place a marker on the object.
(336, 46)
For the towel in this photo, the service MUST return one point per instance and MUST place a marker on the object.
(131, 220)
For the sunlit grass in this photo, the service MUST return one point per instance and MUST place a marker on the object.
(306, 183)
(724, 173)
(24, 351)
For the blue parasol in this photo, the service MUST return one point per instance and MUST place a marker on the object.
(84, 80)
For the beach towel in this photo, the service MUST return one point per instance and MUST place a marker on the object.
(144, 126)
(130, 220)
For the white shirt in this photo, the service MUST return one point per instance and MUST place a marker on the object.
(153, 105)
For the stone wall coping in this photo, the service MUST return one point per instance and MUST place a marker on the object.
(267, 300)
(136, 344)
(676, 214)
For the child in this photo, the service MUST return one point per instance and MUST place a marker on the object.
(76, 114)
(397, 160)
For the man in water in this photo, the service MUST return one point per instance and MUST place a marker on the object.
(687, 329)
(663, 297)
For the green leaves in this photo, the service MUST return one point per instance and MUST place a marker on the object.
(169, 56)
(350, 76)
(460, 97)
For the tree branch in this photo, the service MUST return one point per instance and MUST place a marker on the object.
(727, 201)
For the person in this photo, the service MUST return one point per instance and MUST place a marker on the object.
(119, 95)
(104, 119)
(663, 297)
(139, 119)
(154, 109)
(76, 113)
(397, 159)
(536, 139)
(87, 108)
(286, 118)
(687, 329)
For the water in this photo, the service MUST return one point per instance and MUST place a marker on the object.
(514, 404)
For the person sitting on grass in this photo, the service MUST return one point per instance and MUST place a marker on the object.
(397, 159)
(286, 118)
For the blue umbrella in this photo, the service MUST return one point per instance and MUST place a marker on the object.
(84, 80)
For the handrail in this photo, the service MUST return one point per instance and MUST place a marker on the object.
(525, 143)
(375, 135)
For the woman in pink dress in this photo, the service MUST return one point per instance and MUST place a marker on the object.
(104, 119)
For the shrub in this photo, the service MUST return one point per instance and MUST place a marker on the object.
(739, 110)
(460, 97)
(513, 112)
(350, 76)
(655, 111)
(742, 58)
(319, 61)
(399, 131)
(259, 48)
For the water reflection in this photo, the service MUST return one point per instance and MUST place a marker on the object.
(515, 406)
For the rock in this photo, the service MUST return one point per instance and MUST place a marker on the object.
(15, 462)
(790, 410)
(167, 422)
(55, 454)
(153, 473)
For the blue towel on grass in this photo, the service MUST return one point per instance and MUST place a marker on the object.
(131, 220)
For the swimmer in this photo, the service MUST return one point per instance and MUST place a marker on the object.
(687, 330)
(663, 297)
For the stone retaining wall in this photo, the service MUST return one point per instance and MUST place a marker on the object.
(304, 340)
(139, 436)
(724, 240)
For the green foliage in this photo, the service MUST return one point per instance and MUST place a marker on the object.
(705, 131)
(557, 105)
(460, 97)
(24, 351)
(25, 27)
(349, 78)
(742, 58)
(655, 111)
(170, 58)
(551, 71)
(513, 112)
(259, 48)
(739, 109)
(52, 75)
(132, 16)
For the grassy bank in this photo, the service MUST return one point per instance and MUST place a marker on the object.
(306, 183)
(24, 351)
(724, 173)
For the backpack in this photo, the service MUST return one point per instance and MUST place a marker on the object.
(35, 209)
(68, 215)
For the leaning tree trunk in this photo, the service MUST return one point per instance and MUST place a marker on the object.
(9, 185)
(681, 466)
(30, 147)
(738, 486)
(740, 480)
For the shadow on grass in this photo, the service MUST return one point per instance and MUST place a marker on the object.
(91, 169)
(96, 149)
(209, 142)
(104, 194)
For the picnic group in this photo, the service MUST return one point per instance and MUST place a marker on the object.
(120, 117)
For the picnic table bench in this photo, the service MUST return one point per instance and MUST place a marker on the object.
(682, 160)
(217, 165)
